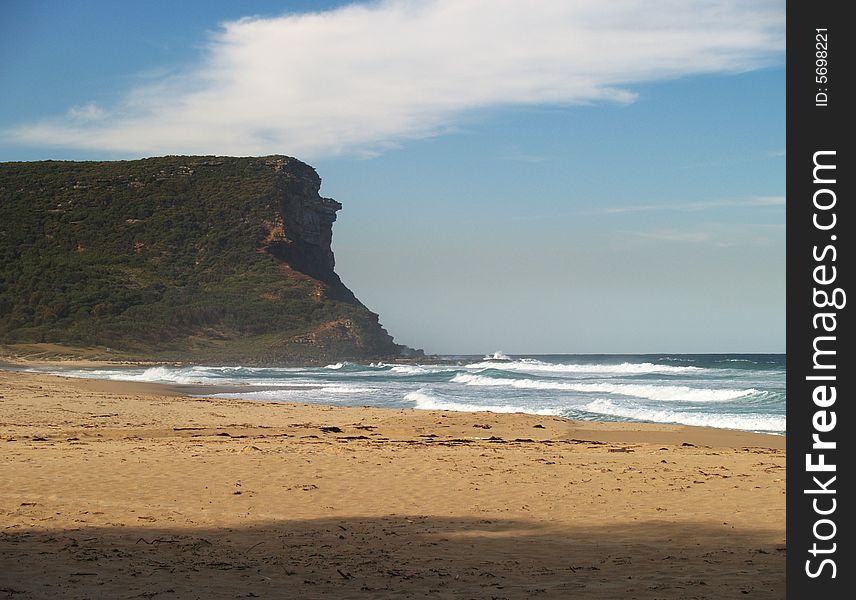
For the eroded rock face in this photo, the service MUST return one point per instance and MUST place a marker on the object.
(306, 219)
(301, 234)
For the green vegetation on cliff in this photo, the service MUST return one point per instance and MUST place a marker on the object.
(177, 258)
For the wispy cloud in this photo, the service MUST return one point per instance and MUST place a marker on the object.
(710, 235)
(517, 155)
(363, 78)
(767, 201)
(674, 235)
(86, 112)
(753, 201)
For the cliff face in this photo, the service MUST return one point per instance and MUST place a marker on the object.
(180, 258)
(301, 233)
(305, 217)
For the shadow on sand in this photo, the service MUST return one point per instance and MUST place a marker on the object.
(393, 557)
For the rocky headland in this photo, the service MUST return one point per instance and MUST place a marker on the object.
(179, 258)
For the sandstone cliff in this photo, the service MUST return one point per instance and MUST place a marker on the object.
(178, 258)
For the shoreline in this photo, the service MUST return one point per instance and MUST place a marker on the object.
(117, 489)
(618, 431)
(204, 390)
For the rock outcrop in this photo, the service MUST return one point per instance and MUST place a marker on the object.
(301, 234)
(211, 259)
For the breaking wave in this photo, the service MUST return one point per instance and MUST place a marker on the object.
(425, 401)
(651, 392)
(498, 355)
(295, 393)
(537, 366)
(412, 370)
(765, 423)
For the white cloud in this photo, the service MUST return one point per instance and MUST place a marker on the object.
(86, 112)
(362, 78)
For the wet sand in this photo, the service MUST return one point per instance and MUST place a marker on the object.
(133, 490)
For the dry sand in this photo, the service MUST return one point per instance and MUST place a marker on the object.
(114, 490)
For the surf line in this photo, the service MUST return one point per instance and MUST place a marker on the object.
(824, 371)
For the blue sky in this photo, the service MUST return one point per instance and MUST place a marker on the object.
(614, 183)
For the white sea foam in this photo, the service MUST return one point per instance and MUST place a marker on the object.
(346, 389)
(537, 366)
(335, 366)
(425, 401)
(152, 374)
(296, 393)
(772, 423)
(651, 392)
(412, 370)
(197, 375)
(498, 355)
(167, 374)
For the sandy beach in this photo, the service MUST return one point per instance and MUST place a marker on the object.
(123, 490)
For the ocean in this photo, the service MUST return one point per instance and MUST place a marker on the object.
(731, 391)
